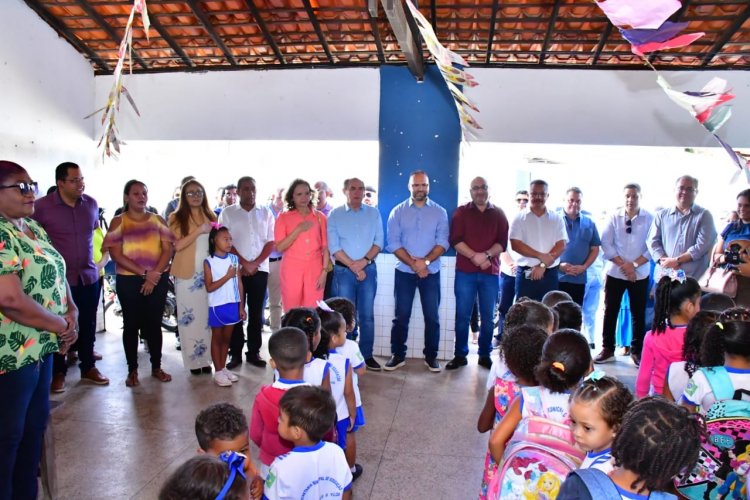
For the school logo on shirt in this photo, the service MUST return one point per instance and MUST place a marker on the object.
(338, 488)
(691, 387)
(270, 479)
(336, 372)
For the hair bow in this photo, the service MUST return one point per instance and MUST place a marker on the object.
(216, 225)
(324, 307)
(674, 274)
(595, 375)
(236, 462)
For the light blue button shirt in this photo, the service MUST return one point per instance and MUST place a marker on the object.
(354, 231)
(417, 230)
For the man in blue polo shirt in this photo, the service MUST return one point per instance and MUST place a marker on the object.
(355, 237)
(582, 247)
(417, 236)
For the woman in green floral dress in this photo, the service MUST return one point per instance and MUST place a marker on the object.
(36, 319)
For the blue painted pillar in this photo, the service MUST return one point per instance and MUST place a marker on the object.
(419, 130)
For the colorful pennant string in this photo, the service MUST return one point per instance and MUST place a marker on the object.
(110, 138)
(453, 76)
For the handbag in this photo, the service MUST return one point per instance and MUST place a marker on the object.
(329, 266)
(719, 280)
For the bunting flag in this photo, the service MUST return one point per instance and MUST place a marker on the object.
(110, 139)
(644, 24)
(453, 76)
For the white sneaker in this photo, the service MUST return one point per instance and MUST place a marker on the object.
(231, 376)
(221, 379)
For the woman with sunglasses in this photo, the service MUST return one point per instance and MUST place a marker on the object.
(37, 318)
(140, 243)
(190, 224)
(627, 268)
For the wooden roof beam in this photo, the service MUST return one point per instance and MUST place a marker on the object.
(206, 24)
(171, 41)
(728, 34)
(550, 29)
(373, 17)
(491, 37)
(68, 35)
(316, 26)
(84, 4)
(407, 36)
(264, 29)
(601, 44)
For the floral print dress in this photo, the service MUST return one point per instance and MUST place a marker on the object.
(41, 270)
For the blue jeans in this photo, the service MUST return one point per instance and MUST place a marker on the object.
(86, 299)
(535, 289)
(362, 293)
(404, 287)
(507, 294)
(467, 286)
(23, 420)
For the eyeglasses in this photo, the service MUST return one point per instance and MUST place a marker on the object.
(686, 189)
(522, 200)
(629, 224)
(75, 180)
(198, 193)
(24, 187)
(483, 187)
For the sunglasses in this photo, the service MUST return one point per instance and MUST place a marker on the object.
(198, 193)
(24, 187)
(629, 224)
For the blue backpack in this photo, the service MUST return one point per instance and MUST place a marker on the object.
(601, 487)
(724, 460)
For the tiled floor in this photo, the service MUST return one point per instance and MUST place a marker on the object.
(420, 440)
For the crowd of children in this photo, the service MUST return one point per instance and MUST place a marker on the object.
(559, 428)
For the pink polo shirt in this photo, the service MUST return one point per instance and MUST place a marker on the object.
(309, 244)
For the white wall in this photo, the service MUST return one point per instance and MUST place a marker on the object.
(562, 106)
(46, 90)
(301, 104)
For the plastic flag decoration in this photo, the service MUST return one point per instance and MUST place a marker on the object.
(453, 76)
(110, 139)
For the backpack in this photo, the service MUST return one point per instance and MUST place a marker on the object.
(601, 487)
(537, 459)
(724, 459)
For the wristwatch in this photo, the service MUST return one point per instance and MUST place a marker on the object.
(489, 257)
(368, 260)
(543, 265)
(427, 262)
(635, 265)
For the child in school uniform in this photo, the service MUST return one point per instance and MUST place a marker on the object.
(317, 370)
(288, 348)
(313, 468)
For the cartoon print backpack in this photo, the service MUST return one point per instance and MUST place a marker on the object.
(538, 457)
(724, 459)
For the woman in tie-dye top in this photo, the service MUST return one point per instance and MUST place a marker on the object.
(141, 246)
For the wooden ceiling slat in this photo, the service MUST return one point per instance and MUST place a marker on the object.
(728, 34)
(174, 46)
(491, 37)
(316, 26)
(206, 24)
(109, 30)
(550, 29)
(255, 12)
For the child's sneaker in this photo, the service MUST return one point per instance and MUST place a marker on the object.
(221, 379)
(231, 376)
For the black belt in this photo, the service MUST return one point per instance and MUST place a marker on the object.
(274, 259)
(526, 268)
(344, 265)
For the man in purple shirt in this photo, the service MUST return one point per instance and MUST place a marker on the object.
(479, 232)
(70, 217)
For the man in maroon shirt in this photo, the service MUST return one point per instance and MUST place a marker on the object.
(70, 217)
(479, 233)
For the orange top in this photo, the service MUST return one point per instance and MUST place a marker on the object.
(309, 244)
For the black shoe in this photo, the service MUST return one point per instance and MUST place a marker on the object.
(234, 362)
(393, 363)
(455, 363)
(485, 362)
(195, 371)
(256, 361)
(636, 358)
(432, 365)
(357, 472)
(206, 369)
(373, 365)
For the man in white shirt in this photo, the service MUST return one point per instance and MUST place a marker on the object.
(537, 239)
(251, 227)
(627, 268)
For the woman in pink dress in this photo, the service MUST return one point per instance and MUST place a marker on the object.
(300, 235)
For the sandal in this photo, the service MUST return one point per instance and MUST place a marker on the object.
(161, 375)
(132, 380)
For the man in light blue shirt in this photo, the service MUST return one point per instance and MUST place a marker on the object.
(417, 236)
(681, 237)
(582, 248)
(355, 237)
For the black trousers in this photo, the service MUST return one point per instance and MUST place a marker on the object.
(86, 299)
(575, 290)
(614, 288)
(255, 291)
(141, 313)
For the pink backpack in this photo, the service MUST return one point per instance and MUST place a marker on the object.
(538, 457)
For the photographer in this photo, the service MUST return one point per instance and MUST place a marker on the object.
(733, 245)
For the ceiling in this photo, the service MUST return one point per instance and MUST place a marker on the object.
(196, 35)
